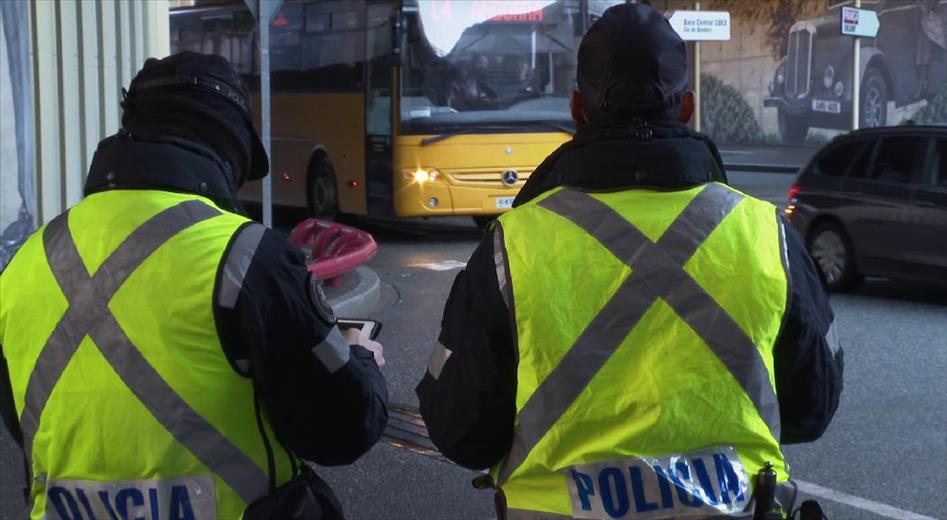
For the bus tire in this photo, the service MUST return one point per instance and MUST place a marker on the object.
(323, 194)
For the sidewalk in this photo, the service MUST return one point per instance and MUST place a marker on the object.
(766, 158)
(358, 294)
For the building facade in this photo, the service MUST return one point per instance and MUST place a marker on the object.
(64, 65)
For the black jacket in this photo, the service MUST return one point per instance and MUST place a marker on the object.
(469, 409)
(279, 316)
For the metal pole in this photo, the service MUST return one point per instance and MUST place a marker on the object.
(264, 21)
(532, 46)
(552, 76)
(856, 76)
(697, 86)
(584, 16)
(697, 79)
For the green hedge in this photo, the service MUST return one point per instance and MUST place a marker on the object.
(725, 116)
(935, 112)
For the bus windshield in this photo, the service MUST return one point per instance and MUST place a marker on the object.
(486, 66)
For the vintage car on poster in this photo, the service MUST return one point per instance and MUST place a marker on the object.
(903, 64)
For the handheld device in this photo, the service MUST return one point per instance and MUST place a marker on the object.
(369, 328)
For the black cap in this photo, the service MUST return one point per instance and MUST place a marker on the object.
(206, 73)
(632, 63)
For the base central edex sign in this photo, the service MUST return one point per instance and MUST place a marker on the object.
(859, 22)
(701, 25)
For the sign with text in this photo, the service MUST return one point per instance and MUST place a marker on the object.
(697, 26)
(859, 22)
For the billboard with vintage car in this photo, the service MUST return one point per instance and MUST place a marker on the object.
(790, 70)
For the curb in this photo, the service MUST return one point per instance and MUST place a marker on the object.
(362, 300)
(767, 168)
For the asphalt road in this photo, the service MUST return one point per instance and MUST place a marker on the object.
(886, 448)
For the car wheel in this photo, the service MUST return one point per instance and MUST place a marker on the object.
(793, 128)
(323, 191)
(874, 100)
(832, 253)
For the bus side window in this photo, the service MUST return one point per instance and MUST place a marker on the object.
(379, 112)
(378, 48)
(316, 22)
(286, 53)
(378, 30)
(229, 34)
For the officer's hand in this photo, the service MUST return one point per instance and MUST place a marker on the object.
(355, 337)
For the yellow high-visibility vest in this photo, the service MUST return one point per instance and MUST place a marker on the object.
(645, 326)
(127, 402)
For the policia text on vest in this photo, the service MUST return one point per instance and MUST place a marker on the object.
(187, 498)
(657, 487)
(662, 308)
(171, 446)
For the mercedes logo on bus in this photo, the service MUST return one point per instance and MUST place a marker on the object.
(510, 177)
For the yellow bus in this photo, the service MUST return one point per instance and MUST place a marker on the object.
(412, 108)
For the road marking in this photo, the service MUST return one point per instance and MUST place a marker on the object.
(414, 424)
(858, 502)
(446, 265)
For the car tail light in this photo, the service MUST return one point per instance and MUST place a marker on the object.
(791, 205)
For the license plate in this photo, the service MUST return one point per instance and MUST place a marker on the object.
(822, 105)
(505, 202)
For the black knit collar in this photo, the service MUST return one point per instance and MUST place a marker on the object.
(662, 155)
(163, 163)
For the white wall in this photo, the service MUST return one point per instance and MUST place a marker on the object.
(83, 53)
(17, 194)
(10, 200)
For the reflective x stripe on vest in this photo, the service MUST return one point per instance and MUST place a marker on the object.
(88, 314)
(657, 272)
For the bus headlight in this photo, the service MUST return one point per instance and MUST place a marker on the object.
(828, 76)
(422, 175)
(780, 77)
(839, 88)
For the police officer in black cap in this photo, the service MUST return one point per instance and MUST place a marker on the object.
(211, 365)
(636, 338)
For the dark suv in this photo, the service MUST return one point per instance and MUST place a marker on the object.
(874, 202)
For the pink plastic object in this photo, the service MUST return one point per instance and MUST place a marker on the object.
(332, 249)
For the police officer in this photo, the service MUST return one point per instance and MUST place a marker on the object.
(636, 338)
(165, 357)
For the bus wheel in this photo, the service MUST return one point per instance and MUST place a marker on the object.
(323, 191)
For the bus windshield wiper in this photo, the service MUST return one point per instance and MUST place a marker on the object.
(566, 129)
(440, 137)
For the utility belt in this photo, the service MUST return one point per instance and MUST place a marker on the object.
(710, 483)
(305, 497)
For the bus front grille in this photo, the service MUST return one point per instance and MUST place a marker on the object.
(488, 178)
